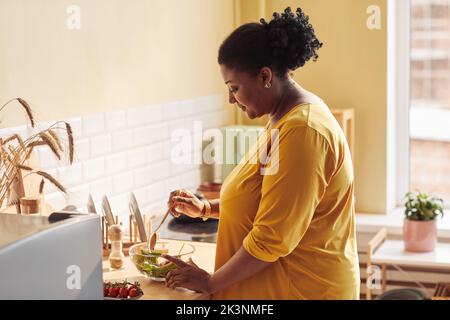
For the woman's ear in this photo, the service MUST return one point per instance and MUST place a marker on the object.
(266, 76)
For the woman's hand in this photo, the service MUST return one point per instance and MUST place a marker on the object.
(187, 275)
(185, 202)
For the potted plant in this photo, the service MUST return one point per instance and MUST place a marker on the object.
(15, 153)
(420, 227)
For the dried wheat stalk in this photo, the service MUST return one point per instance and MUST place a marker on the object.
(47, 138)
(25, 105)
(56, 139)
(71, 144)
(52, 180)
(41, 186)
(14, 152)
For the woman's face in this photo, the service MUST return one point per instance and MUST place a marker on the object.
(246, 91)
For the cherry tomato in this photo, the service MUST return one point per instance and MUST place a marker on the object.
(105, 291)
(113, 292)
(133, 292)
(123, 293)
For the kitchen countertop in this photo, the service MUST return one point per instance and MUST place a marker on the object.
(203, 256)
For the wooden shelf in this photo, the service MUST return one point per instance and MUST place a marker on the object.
(346, 119)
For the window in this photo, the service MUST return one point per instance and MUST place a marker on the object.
(429, 105)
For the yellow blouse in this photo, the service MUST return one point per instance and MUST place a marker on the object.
(299, 215)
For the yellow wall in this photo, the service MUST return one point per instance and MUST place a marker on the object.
(132, 53)
(127, 53)
(351, 72)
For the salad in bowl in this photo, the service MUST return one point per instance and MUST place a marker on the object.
(152, 264)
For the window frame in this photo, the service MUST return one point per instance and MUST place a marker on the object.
(399, 87)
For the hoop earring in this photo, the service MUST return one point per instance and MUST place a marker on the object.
(268, 85)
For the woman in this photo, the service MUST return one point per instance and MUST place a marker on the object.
(289, 234)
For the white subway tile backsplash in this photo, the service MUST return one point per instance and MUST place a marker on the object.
(78, 195)
(102, 187)
(116, 120)
(208, 104)
(173, 110)
(141, 136)
(123, 182)
(191, 178)
(179, 124)
(131, 150)
(47, 159)
(94, 169)
(161, 171)
(122, 140)
(138, 157)
(137, 117)
(189, 107)
(141, 195)
(156, 152)
(116, 162)
(172, 184)
(211, 120)
(71, 176)
(158, 132)
(167, 148)
(93, 124)
(157, 191)
(100, 145)
(154, 113)
(57, 200)
(82, 149)
(156, 210)
(119, 204)
(177, 168)
(143, 176)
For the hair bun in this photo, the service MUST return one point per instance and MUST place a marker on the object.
(291, 39)
(283, 44)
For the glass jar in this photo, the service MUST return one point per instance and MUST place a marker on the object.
(30, 205)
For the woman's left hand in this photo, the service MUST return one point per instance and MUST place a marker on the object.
(187, 275)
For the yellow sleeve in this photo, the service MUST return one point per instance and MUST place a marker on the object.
(290, 196)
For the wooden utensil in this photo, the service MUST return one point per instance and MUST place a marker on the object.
(137, 216)
(107, 212)
(91, 205)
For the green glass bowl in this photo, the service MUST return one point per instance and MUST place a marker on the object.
(152, 265)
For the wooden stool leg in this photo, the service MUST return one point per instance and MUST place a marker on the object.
(383, 278)
(368, 286)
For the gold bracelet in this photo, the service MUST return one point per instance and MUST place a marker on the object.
(207, 208)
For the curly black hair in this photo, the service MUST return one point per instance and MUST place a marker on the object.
(284, 44)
